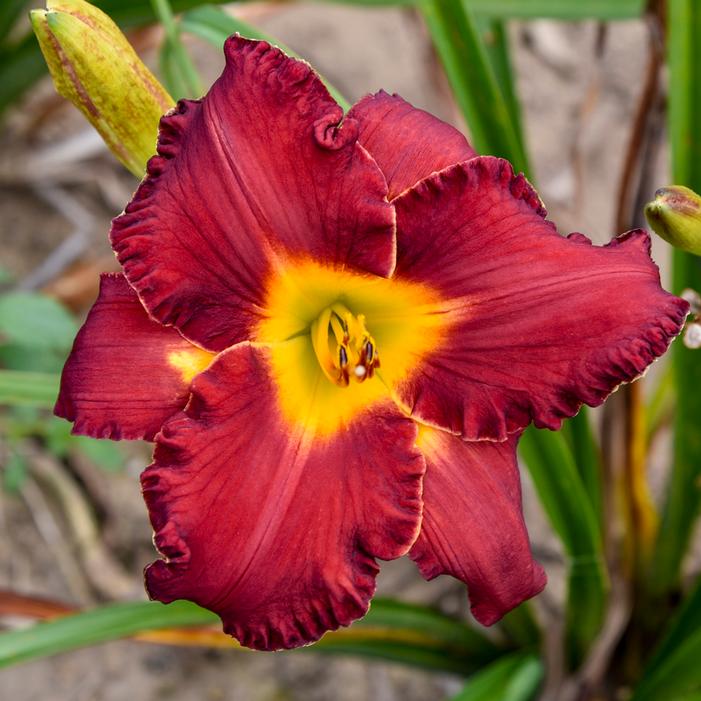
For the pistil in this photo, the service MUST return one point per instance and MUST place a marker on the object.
(343, 345)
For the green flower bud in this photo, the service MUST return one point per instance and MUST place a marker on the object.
(675, 215)
(94, 66)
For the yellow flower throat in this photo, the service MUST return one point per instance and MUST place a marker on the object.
(327, 331)
(343, 345)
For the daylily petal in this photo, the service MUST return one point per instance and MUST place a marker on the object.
(257, 172)
(407, 143)
(472, 527)
(126, 373)
(541, 323)
(271, 526)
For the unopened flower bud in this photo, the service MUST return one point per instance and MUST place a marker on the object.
(94, 66)
(675, 215)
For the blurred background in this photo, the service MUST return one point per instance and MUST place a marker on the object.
(73, 527)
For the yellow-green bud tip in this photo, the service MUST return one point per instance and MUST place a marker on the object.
(53, 19)
(675, 215)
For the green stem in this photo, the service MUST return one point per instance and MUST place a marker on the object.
(166, 18)
(187, 73)
(564, 499)
(587, 456)
(661, 405)
(466, 63)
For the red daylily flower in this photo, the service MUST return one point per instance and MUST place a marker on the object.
(335, 330)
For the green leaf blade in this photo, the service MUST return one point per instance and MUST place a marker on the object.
(679, 675)
(393, 631)
(35, 320)
(570, 512)
(684, 625)
(559, 9)
(578, 433)
(96, 626)
(35, 389)
(511, 678)
(472, 78)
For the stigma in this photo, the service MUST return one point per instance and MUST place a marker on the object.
(343, 346)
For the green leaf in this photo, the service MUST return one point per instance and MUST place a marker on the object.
(34, 320)
(559, 9)
(580, 437)
(683, 497)
(135, 13)
(32, 359)
(414, 635)
(685, 624)
(466, 63)
(28, 388)
(372, 3)
(496, 42)
(520, 626)
(214, 25)
(533, 9)
(169, 62)
(391, 630)
(677, 676)
(511, 678)
(564, 499)
(182, 78)
(661, 404)
(96, 626)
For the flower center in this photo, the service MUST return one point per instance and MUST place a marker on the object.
(343, 345)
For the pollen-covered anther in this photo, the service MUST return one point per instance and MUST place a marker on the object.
(343, 345)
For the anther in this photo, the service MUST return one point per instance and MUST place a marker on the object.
(343, 345)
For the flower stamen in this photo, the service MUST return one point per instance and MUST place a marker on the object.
(343, 345)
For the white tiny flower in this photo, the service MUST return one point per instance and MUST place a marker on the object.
(692, 335)
(693, 298)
